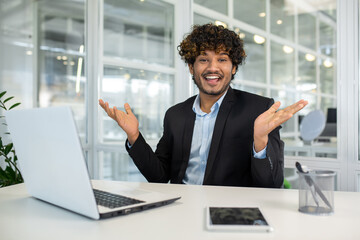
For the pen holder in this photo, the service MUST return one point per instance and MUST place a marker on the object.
(316, 192)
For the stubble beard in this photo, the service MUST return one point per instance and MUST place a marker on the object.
(211, 93)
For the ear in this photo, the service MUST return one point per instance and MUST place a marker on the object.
(191, 68)
(233, 71)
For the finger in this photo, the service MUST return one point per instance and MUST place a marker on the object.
(127, 108)
(112, 112)
(274, 107)
(107, 107)
(109, 110)
(101, 103)
(117, 115)
(296, 106)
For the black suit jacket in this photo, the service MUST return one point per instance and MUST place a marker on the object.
(230, 161)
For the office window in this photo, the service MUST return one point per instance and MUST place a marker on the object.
(254, 68)
(327, 39)
(219, 5)
(138, 68)
(252, 12)
(148, 93)
(306, 81)
(307, 28)
(118, 166)
(282, 65)
(17, 51)
(139, 31)
(200, 20)
(61, 54)
(282, 19)
(327, 76)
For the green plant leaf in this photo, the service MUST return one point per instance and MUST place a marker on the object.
(11, 174)
(2, 174)
(8, 148)
(15, 105)
(4, 178)
(8, 99)
(2, 94)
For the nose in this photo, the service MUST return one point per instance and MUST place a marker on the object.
(213, 65)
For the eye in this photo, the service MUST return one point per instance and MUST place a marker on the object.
(222, 60)
(202, 60)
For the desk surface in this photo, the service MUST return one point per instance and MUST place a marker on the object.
(23, 217)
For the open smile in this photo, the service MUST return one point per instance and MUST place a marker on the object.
(212, 79)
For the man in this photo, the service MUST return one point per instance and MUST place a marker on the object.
(222, 136)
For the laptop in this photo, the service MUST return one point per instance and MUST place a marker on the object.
(53, 166)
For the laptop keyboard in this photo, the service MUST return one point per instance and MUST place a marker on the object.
(111, 200)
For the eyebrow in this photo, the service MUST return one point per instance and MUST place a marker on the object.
(221, 53)
(224, 53)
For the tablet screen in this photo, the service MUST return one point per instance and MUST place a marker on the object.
(236, 216)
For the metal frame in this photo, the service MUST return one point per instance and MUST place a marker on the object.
(348, 93)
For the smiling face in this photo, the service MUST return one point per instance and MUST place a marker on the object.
(212, 72)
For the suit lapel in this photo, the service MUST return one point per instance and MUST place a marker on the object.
(187, 138)
(222, 116)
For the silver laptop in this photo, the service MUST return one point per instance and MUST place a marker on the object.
(53, 166)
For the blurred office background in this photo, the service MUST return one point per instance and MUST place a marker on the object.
(73, 52)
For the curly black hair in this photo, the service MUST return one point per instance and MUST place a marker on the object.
(215, 38)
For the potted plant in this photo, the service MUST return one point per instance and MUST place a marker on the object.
(10, 174)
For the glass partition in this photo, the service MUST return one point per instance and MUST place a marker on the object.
(282, 65)
(306, 80)
(252, 12)
(61, 55)
(327, 43)
(254, 68)
(218, 5)
(327, 77)
(140, 31)
(199, 19)
(282, 19)
(118, 166)
(307, 28)
(139, 69)
(148, 93)
(17, 51)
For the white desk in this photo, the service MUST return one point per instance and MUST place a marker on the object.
(23, 217)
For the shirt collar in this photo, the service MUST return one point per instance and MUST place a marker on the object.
(196, 106)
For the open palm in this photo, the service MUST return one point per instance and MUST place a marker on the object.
(126, 120)
(272, 118)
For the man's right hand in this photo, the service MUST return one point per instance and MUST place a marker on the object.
(126, 120)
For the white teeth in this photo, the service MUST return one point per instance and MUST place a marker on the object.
(212, 77)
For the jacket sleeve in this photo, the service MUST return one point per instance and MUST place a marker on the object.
(269, 172)
(154, 166)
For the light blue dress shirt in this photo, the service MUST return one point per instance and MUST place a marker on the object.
(201, 141)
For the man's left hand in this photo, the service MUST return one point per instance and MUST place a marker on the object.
(271, 119)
